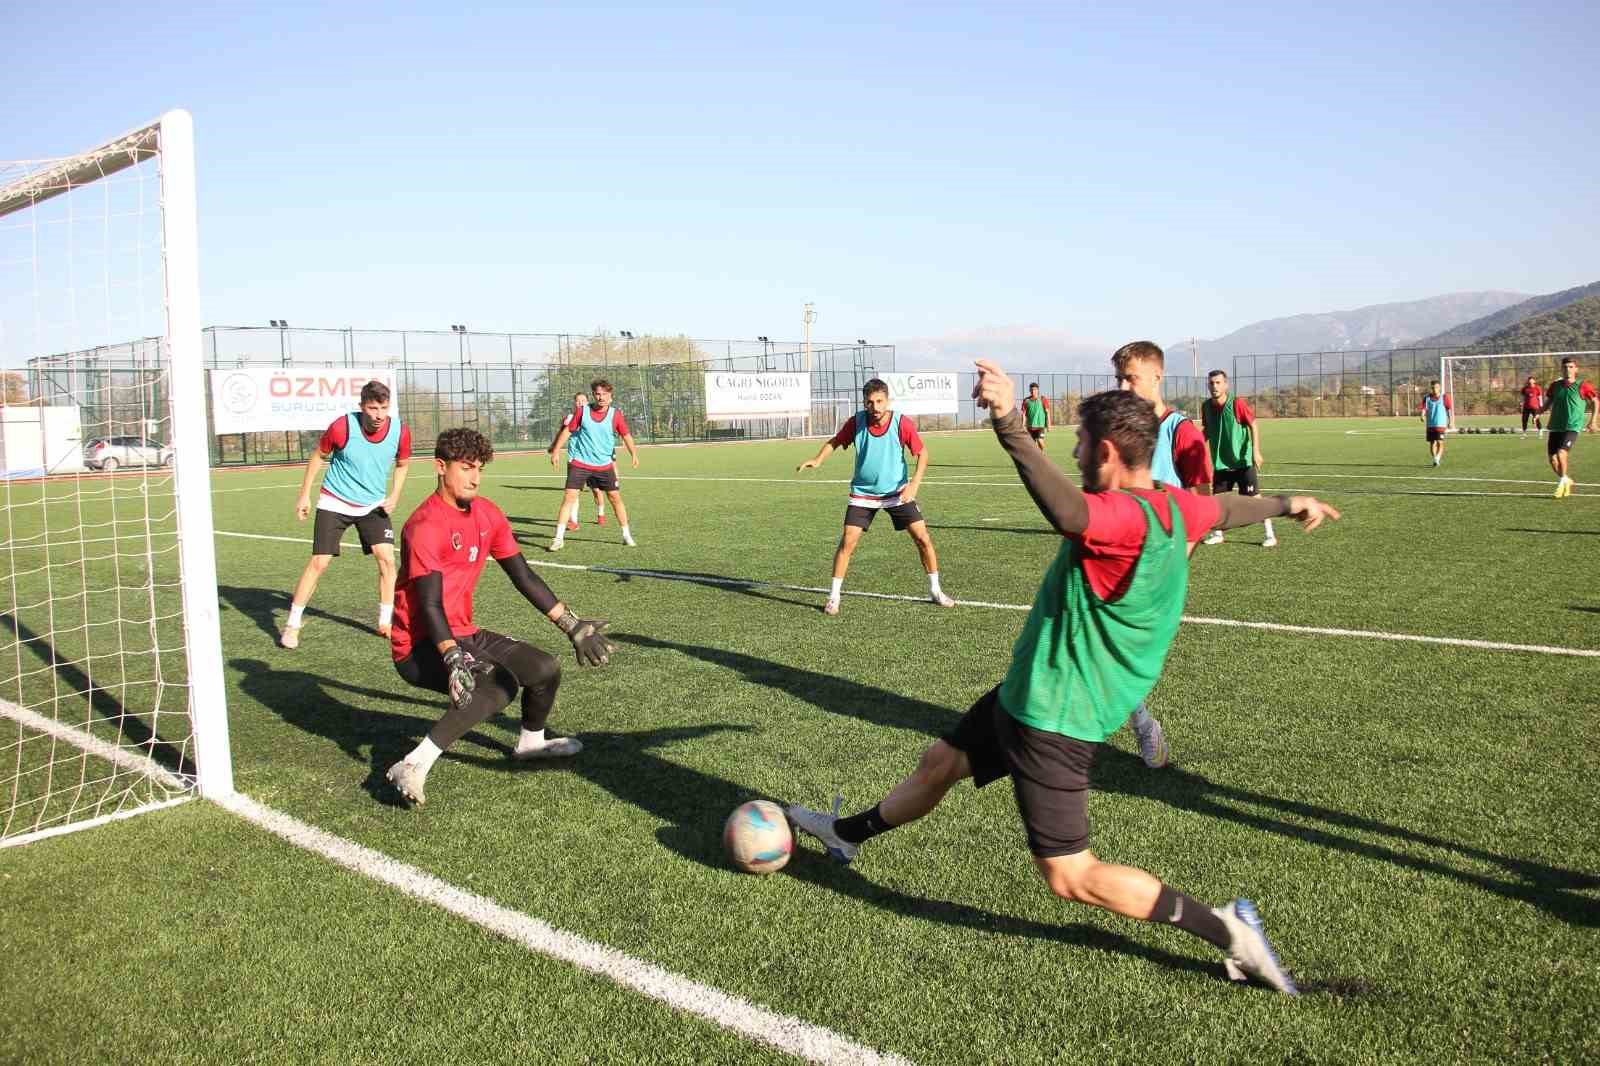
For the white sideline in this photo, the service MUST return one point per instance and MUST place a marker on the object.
(1195, 620)
(784, 1032)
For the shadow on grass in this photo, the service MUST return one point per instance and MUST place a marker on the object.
(260, 605)
(1583, 609)
(694, 803)
(1557, 532)
(131, 726)
(1550, 888)
(364, 730)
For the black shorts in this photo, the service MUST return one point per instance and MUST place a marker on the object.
(425, 667)
(903, 516)
(1435, 433)
(1560, 440)
(374, 528)
(580, 478)
(1049, 773)
(1229, 480)
(1036, 432)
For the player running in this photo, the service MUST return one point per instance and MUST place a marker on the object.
(572, 422)
(1566, 399)
(1532, 405)
(880, 483)
(1180, 459)
(435, 643)
(1037, 411)
(1094, 643)
(1234, 441)
(593, 437)
(1438, 417)
(358, 450)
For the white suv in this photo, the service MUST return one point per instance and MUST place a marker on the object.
(108, 453)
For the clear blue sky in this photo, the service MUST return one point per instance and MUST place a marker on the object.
(914, 169)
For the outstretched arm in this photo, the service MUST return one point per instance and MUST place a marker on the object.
(1238, 511)
(588, 637)
(816, 460)
(1060, 501)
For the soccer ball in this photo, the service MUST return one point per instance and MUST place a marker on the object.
(757, 837)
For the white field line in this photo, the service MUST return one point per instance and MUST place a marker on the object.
(784, 1032)
(1275, 627)
(973, 480)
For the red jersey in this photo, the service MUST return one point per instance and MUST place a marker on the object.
(440, 538)
(908, 433)
(1115, 536)
(337, 436)
(1532, 397)
(1190, 455)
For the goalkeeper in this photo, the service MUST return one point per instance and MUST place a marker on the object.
(443, 549)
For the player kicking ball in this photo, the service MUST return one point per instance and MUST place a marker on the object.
(1566, 399)
(1235, 443)
(443, 549)
(591, 439)
(880, 437)
(1093, 645)
(357, 450)
(1438, 418)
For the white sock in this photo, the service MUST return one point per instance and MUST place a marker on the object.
(1268, 524)
(838, 583)
(385, 613)
(933, 584)
(531, 738)
(600, 507)
(297, 612)
(625, 533)
(424, 755)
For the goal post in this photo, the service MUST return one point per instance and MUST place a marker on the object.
(1480, 384)
(112, 696)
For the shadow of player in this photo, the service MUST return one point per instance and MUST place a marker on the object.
(260, 605)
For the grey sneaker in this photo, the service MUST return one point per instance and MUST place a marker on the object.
(820, 826)
(1152, 740)
(408, 780)
(1250, 954)
(1214, 537)
(831, 607)
(554, 748)
(290, 637)
(939, 599)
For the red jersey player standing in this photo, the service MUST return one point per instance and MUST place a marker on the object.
(1180, 459)
(436, 644)
(1532, 402)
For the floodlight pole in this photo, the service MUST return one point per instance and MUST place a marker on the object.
(809, 317)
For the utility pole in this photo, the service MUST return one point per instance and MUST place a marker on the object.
(1194, 354)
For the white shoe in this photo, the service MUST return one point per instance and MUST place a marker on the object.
(290, 637)
(629, 541)
(408, 780)
(939, 599)
(1249, 953)
(821, 826)
(1214, 537)
(554, 748)
(831, 607)
(1270, 541)
(555, 546)
(1152, 743)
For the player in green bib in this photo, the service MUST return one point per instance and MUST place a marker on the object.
(1093, 646)
(1235, 444)
(1036, 409)
(1567, 400)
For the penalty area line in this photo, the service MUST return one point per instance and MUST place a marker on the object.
(1272, 627)
(781, 1031)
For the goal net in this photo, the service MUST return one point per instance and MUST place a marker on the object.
(1492, 384)
(111, 687)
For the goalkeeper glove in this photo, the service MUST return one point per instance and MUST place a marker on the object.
(464, 673)
(588, 639)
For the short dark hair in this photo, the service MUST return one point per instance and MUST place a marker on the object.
(463, 445)
(1223, 374)
(1125, 420)
(1138, 352)
(374, 392)
(1435, 381)
(1570, 359)
(600, 383)
(1032, 385)
(873, 387)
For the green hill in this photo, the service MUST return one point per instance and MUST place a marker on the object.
(1573, 328)
(1481, 331)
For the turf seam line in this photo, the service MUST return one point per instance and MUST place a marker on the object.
(1275, 627)
(781, 1031)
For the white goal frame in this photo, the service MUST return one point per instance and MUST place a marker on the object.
(1447, 363)
(169, 141)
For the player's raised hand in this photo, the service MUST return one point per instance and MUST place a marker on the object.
(465, 670)
(995, 389)
(1310, 511)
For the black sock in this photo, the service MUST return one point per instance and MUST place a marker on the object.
(860, 827)
(1190, 915)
